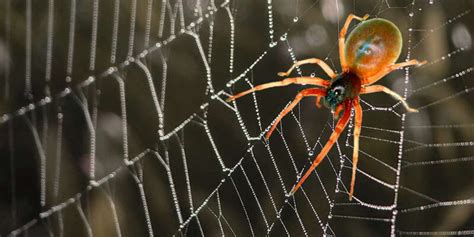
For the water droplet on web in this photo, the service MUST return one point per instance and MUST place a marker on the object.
(272, 44)
(313, 74)
(411, 14)
(283, 37)
(295, 19)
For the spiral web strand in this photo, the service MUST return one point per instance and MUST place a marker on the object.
(136, 138)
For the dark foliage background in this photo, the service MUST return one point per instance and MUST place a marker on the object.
(436, 32)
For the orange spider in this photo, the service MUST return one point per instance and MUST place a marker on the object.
(370, 53)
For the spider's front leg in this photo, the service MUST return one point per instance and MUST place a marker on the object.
(307, 92)
(342, 38)
(316, 81)
(341, 124)
(317, 61)
(355, 154)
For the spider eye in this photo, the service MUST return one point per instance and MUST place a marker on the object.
(338, 90)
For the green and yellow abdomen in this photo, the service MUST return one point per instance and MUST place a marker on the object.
(372, 45)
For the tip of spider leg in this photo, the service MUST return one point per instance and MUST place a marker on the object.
(282, 74)
(413, 110)
(365, 16)
(422, 63)
(230, 99)
(267, 137)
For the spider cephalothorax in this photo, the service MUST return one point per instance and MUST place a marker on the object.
(370, 53)
(345, 86)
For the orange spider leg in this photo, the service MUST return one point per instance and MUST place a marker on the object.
(355, 154)
(292, 80)
(342, 36)
(318, 102)
(307, 92)
(317, 61)
(379, 88)
(337, 111)
(387, 70)
(341, 124)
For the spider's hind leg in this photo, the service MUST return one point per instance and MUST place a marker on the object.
(391, 68)
(379, 88)
(342, 38)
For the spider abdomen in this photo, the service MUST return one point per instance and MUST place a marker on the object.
(372, 45)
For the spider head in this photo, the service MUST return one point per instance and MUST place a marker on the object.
(334, 96)
(345, 86)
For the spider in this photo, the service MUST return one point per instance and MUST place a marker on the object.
(370, 53)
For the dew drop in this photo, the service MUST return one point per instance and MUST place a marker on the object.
(295, 19)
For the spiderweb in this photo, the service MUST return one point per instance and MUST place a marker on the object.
(115, 121)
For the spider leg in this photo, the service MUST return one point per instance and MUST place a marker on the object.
(372, 79)
(317, 61)
(318, 102)
(355, 154)
(341, 124)
(342, 36)
(337, 111)
(316, 81)
(307, 92)
(379, 88)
